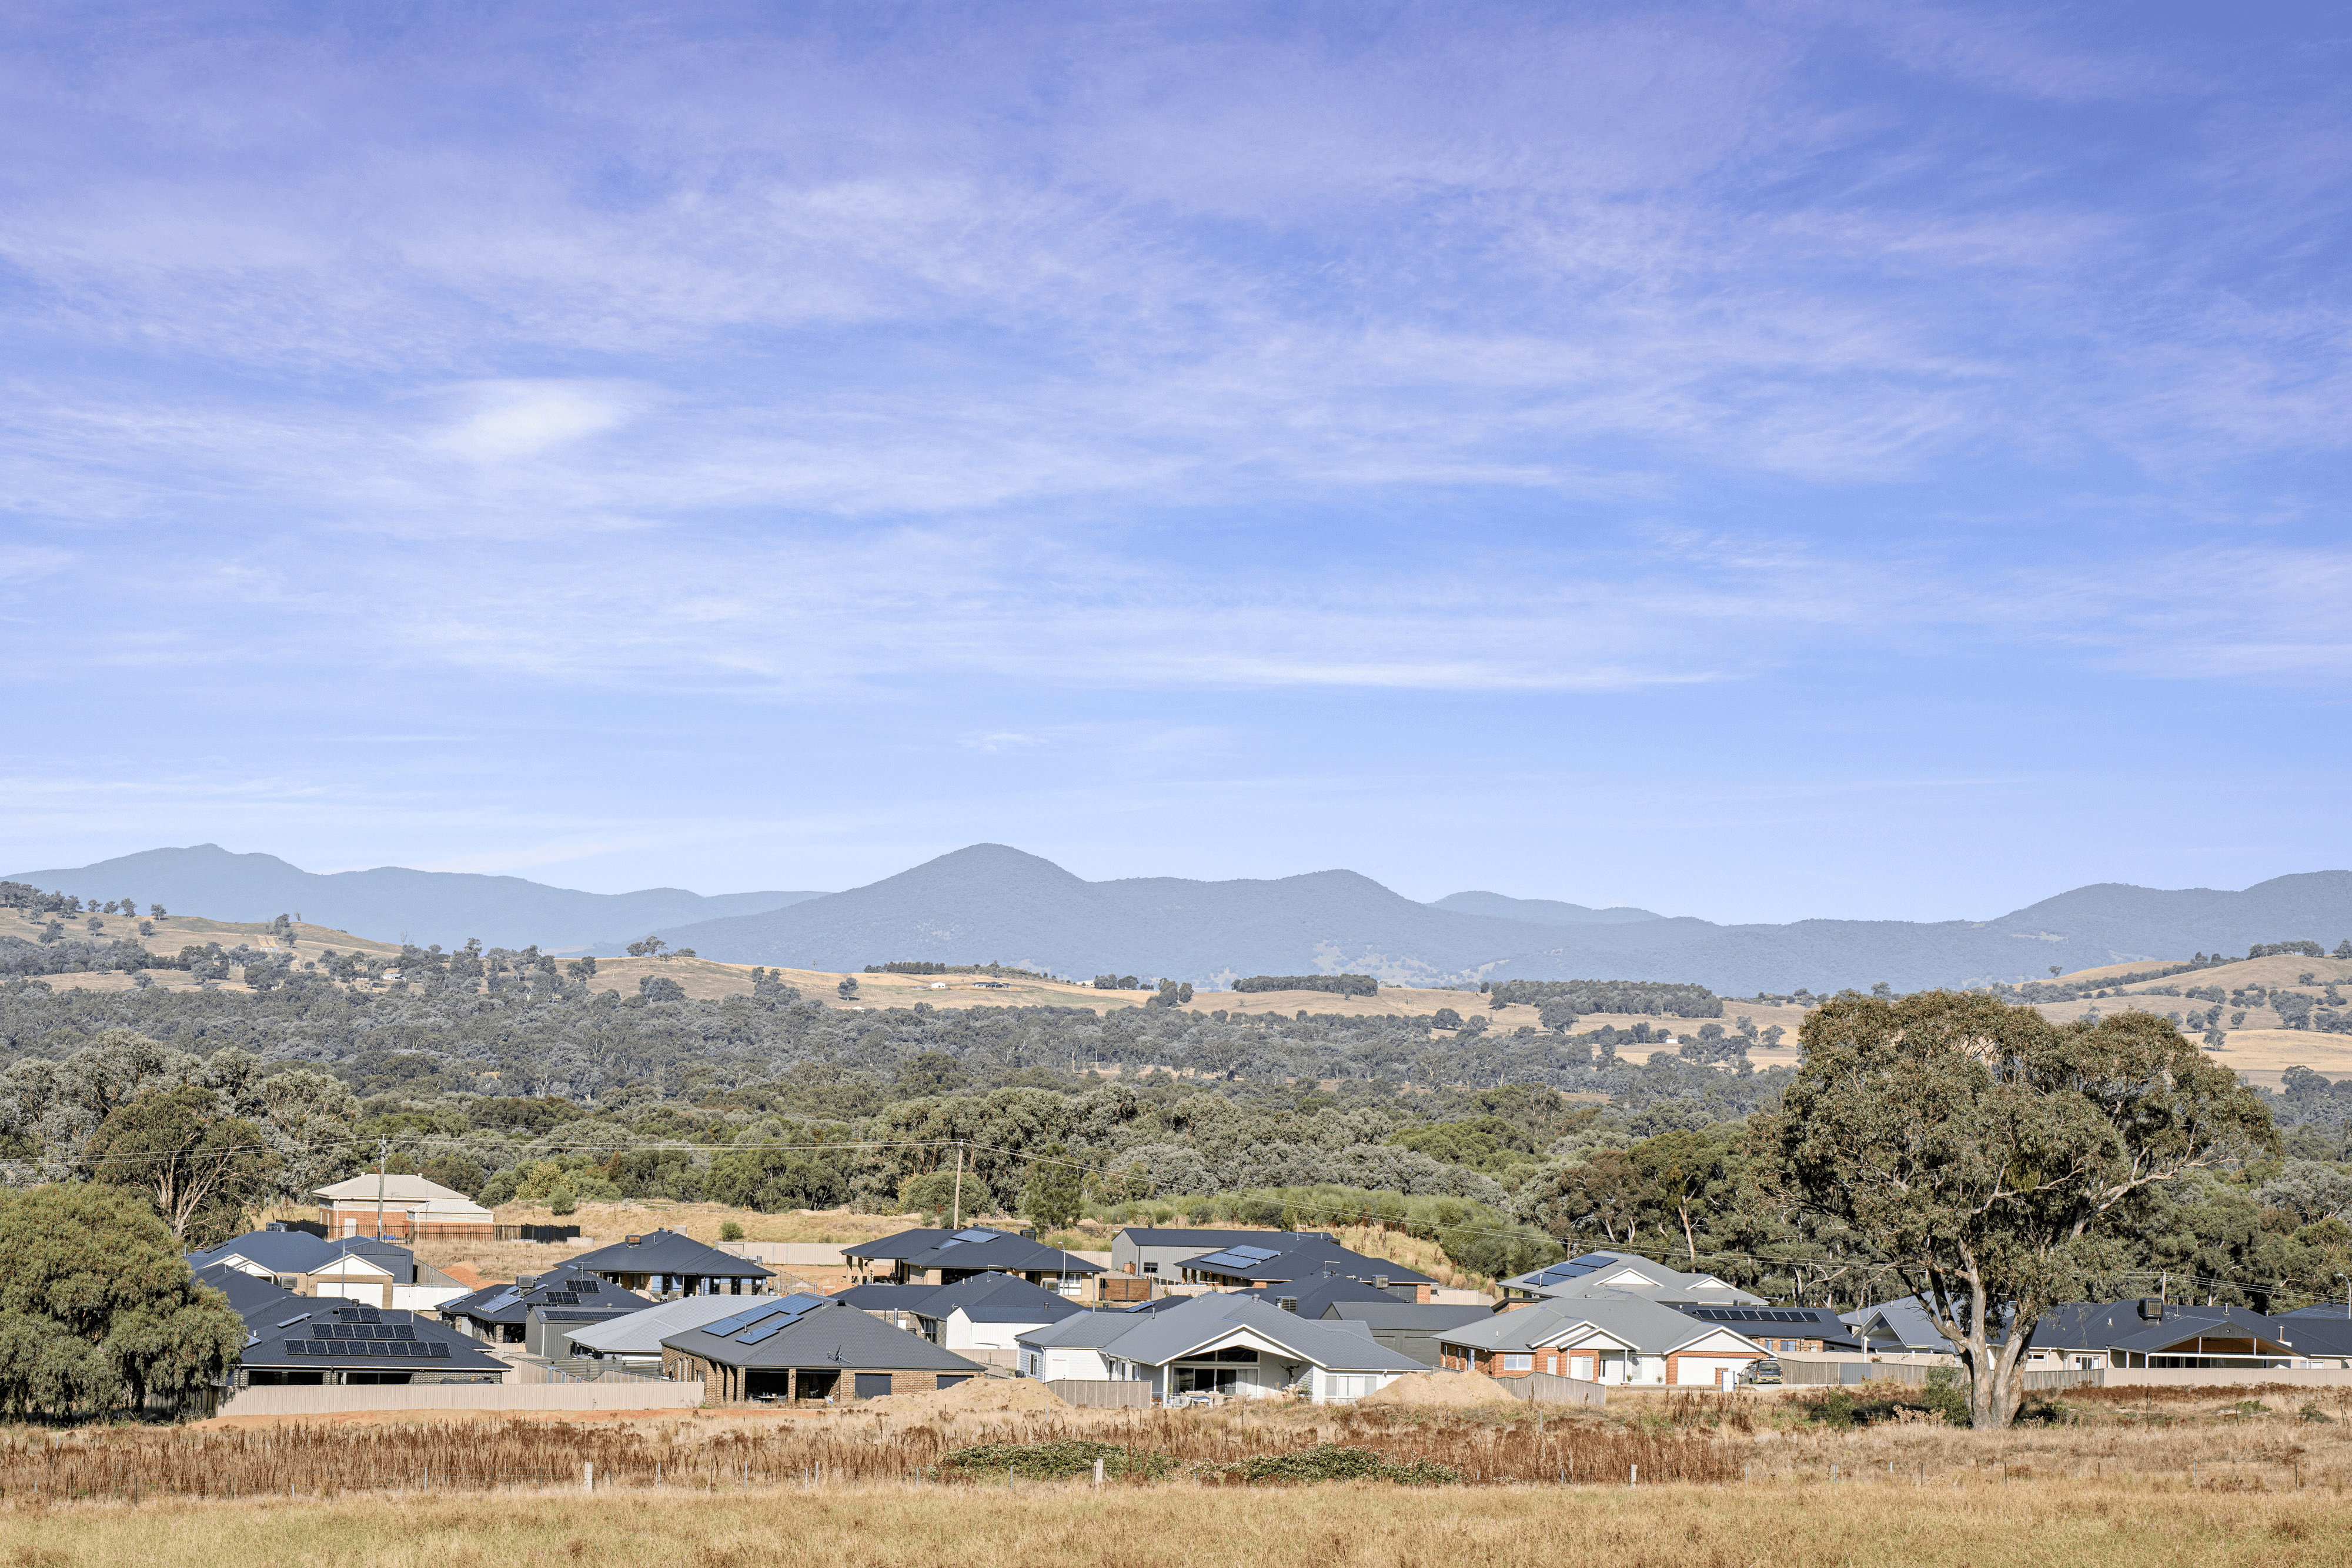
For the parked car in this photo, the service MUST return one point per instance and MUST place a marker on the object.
(1764, 1374)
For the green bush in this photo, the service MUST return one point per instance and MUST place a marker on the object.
(1065, 1460)
(560, 1201)
(1946, 1396)
(1336, 1462)
(730, 1231)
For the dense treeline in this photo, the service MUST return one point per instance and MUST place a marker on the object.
(539, 1089)
(1339, 985)
(1573, 998)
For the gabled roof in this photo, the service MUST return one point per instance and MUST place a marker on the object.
(400, 1189)
(1208, 1241)
(996, 1299)
(1405, 1315)
(1902, 1320)
(813, 1332)
(567, 1288)
(315, 1334)
(246, 1295)
(881, 1298)
(1773, 1322)
(902, 1244)
(1624, 1272)
(1199, 1322)
(1085, 1329)
(641, 1332)
(669, 1252)
(276, 1252)
(1298, 1258)
(1634, 1321)
(2117, 1325)
(1311, 1295)
(1000, 1249)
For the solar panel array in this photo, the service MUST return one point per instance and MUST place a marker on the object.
(380, 1350)
(1575, 1268)
(1233, 1257)
(1754, 1314)
(775, 1314)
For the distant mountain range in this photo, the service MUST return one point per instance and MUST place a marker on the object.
(390, 903)
(990, 901)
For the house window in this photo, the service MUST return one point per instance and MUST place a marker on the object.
(1151, 1268)
(1519, 1361)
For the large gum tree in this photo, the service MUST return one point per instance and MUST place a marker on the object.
(1999, 1163)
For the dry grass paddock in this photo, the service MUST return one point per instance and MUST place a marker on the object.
(2032, 1524)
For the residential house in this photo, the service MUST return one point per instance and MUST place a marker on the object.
(893, 1304)
(2157, 1334)
(949, 1256)
(311, 1340)
(988, 1313)
(1623, 1273)
(361, 1268)
(1299, 1258)
(1148, 1251)
(538, 1312)
(671, 1263)
(1223, 1345)
(1073, 1348)
(1412, 1330)
(1784, 1331)
(633, 1341)
(405, 1207)
(1623, 1338)
(1899, 1327)
(795, 1348)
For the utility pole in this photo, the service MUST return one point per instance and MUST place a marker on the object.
(956, 1222)
(2347, 1295)
(382, 1152)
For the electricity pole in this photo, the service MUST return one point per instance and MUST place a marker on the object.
(956, 1222)
(382, 1150)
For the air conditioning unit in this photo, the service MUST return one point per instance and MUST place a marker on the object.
(2151, 1308)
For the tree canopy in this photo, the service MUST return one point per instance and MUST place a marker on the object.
(97, 1305)
(201, 1168)
(1999, 1163)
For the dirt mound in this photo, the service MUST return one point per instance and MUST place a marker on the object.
(978, 1396)
(1441, 1388)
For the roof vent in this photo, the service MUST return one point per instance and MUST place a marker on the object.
(633, 1241)
(2151, 1310)
(1380, 1281)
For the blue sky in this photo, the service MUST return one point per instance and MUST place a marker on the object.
(1754, 461)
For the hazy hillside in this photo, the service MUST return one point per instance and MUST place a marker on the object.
(1542, 911)
(991, 902)
(390, 902)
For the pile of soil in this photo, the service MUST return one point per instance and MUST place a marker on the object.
(1441, 1388)
(979, 1396)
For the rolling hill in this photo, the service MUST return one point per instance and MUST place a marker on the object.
(991, 902)
(390, 903)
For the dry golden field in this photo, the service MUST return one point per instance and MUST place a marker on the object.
(2187, 1477)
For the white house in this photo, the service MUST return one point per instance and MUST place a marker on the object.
(989, 1311)
(1623, 1273)
(1619, 1339)
(405, 1207)
(1236, 1346)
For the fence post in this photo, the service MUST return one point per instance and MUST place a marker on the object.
(1097, 1475)
(1633, 1475)
(588, 1478)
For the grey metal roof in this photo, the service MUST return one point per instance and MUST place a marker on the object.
(1294, 1258)
(314, 1334)
(814, 1332)
(670, 1253)
(1081, 1328)
(1650, 1328)
(246, 1293)
(1903, 1319)
(564, 1288)
(1607, 1272)
(1177, 1332)
(994, 1298)
(280, 1251)
(878, 1298)
(1207, 1240)
(1393, 1314)
(1000, 1249)
(901, 1244)
(641, 1332)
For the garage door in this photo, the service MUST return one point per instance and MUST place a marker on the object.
(871, 1384)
